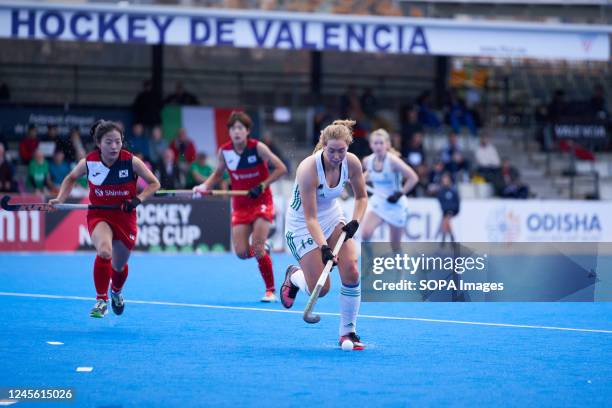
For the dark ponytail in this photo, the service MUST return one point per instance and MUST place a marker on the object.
(102, 127)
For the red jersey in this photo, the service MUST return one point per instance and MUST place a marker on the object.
(246, 171)
(111, 186)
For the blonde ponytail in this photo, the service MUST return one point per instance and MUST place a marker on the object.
(340, 129)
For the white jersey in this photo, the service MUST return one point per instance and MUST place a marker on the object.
(385, 183)
(329, 212)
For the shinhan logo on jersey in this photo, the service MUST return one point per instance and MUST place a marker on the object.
(244, 176)
(251, 159)
(123, 173)
(99, 192)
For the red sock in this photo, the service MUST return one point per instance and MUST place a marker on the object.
(102, 276)
(119, 279)
(265, 268)
(251, 252)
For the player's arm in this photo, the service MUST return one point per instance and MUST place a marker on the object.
(398, 165)
(279, 167)
(143, 171)
(358, 185)
(307, 183)
(364, 166)
(216, 176)
(69, 181)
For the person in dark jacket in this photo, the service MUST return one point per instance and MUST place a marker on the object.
(449, 204)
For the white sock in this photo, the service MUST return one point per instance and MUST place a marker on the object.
(350, 299)
(298, 279)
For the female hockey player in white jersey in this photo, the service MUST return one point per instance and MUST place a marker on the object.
(314, 222)
(388, 203)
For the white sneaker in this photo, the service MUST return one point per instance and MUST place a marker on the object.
(269, 297)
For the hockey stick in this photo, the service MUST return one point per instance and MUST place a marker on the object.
(314, 296)
(175, 193)
(49, 207)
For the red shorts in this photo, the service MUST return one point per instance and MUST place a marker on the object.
(249, 215)
(125, 232)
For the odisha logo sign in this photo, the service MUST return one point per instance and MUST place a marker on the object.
(503, 226)
(563, 223)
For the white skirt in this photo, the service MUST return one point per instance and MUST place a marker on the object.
(393, 214)
(298, 238)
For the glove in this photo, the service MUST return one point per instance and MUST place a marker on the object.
(327, 255)
(350, 229)
(257, 190)
(197, 191)
(393, 198)
(130, 205)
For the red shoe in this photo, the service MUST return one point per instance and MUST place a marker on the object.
(354, 338)
(289, 291)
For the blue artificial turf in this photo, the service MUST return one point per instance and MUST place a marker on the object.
(185, 355)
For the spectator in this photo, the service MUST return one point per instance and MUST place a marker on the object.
(487, 161)
(512, 186)
(199, 171)
(138, 142)
(410, 126)
(38, 172)
(458, 114)
(28, 145)
(268, 140)
(414, 153)
(52, 134)
(146, 106)
(157, 145)
(486, 155)
(63, 144)
(183, 147)
(168, 171)
(427, 116)
(58, 169)
(448, 197)
(7, 176)
(181, 97)
(453, 158)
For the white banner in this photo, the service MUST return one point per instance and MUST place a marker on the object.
(284, 30)
(509, 221)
